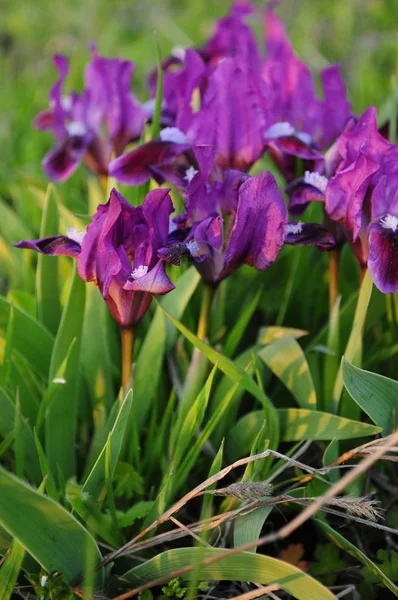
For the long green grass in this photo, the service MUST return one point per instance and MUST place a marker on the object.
(85, 470)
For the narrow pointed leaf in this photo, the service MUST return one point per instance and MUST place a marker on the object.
(10, 569)
(236, 374)
(47, 290)
(296, 424)
(345, 545)
(375, 394)
(95, 484)
(30, 338)
(245, 566)
(287, 361)
(61, 416)
(46, 530)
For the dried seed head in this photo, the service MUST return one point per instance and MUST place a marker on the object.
(246, 490)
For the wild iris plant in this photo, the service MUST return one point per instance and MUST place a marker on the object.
(118, 252)
(224, 105)
(78, 121)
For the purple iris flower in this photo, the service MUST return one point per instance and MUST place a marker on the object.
(78, 121)
(360, 199)
(235, 220)
(304, 124)
(118, 252)
(233, 118)
(252, 233)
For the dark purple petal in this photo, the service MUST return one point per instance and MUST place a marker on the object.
(157, 208)
(108, 83)
(259, 228)
(210, 232)
(56, 245)
(383, 257)
(205, 244)
(234, 115)
(103, 257)
(309, 234)
(363, 137)
(346, 191)
(301, 195)
(134, 168)
(301, 192)
(285, 151)
(290, 79)
(62, 161)
(54, 117)
(232, 37)
(336, 108)
(154, 281)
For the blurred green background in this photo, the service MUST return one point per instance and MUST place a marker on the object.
(360, 34)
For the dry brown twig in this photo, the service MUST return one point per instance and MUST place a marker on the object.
(261, 591)
(285, 531)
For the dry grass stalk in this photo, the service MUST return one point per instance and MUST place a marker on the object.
(285, 531)
(197, 491)
(358, 452)
(188, 531)
(261, 591)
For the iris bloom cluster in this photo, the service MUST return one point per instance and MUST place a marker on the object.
(224, 105)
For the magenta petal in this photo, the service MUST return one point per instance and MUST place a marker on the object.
(56, 245)
(103, 257)
(63, 160)
(232, 37)
(309, 234)
(346, 192)
(45, 120)
(157, 208)
(383, 258)
(154, 282)
(336, 108)
(259, 228)
(134, 168)
(108, 82)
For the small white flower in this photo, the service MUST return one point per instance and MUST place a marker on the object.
(173, 134)
(294, 228)
(66, 102)
(139, 272)
(193, 248)
(76, 236)
(43, 580)
(190, 173)
(59, 380)
(279, 130)
(76, 128)
(179, 52)
(317, 180)
(389, 222)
